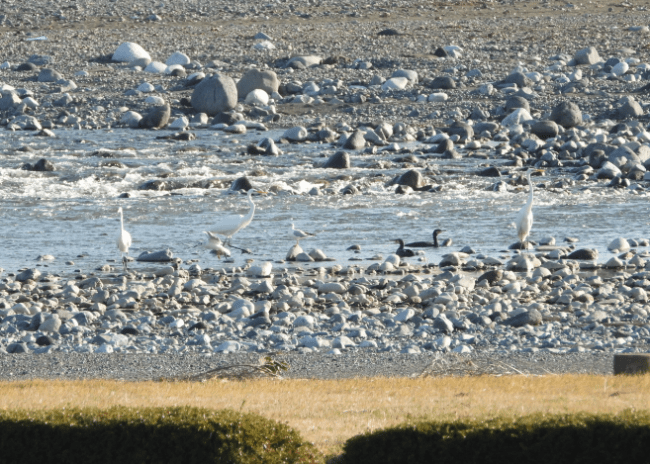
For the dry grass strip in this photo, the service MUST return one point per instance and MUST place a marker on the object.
(327, 412)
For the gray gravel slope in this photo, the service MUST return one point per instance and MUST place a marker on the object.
(138, 367)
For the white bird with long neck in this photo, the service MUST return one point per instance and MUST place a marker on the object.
(124, 240)
(524, 219)
(230, 225)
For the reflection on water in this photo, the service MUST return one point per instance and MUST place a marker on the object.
(72, 213)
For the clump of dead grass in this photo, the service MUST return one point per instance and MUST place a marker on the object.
(267, 366)
(456, 364)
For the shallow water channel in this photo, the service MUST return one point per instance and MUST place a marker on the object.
(71, 213)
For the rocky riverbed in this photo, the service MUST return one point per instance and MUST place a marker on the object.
(329, 107)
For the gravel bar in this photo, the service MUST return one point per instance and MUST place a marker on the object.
(141, 367)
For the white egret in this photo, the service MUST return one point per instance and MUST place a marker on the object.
(298, 234)
(124, 240)
(433, 244)
(524, 219)
(230, 225)
(214, 243)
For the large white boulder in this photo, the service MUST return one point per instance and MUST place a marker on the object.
(257, 97)
(129, 51)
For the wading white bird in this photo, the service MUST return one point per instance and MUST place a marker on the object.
(298, 234)
(124, 240)
(230, 225)
(214, 243)
(524, 219)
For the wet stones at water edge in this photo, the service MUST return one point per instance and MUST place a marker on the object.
(28, 274)
(462, 129)
(584, 254)
(444, 146)
(41, 165)
(156, 118)
(241, 183)
(162, 256)
(490, 172)
(296, 134)
(339, 160)
(355, 141)
(411, 178)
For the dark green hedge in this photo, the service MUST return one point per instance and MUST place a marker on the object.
(121, 435)
(538, 438)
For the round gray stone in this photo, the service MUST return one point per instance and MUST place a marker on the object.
(29, 274)
(215, 94)
(531, 317)
(442, 82)
(355, 141)
(545, 129)
(587, 55)
(513, 103)
(411, 178)
(48, 75)
(156, 118)
(339, 160)
(254, 79)
(517, 78)
(567, 114)
(587, 254)
(629, 108)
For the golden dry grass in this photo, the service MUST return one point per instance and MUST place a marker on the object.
(328, 412)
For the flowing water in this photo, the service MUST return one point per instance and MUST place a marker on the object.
(71, 213)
